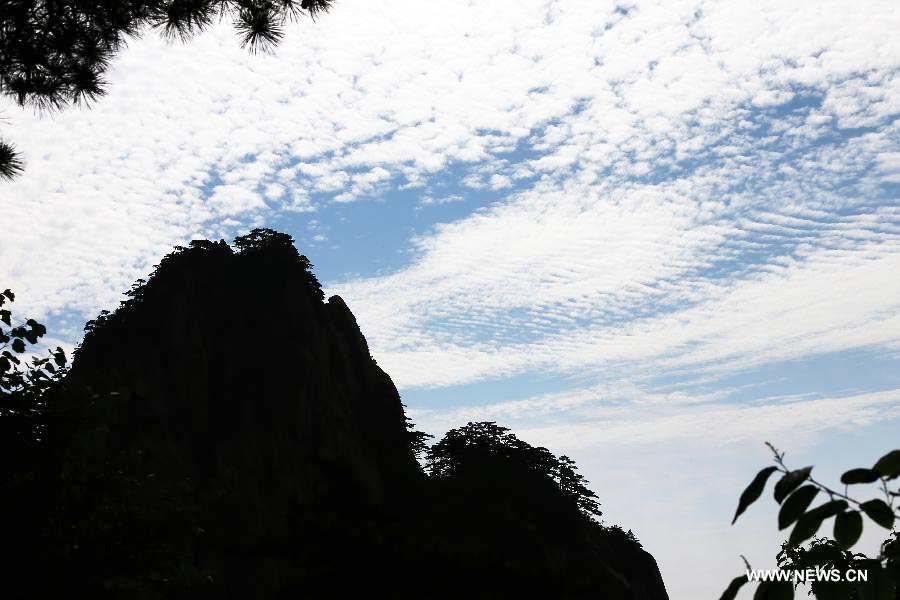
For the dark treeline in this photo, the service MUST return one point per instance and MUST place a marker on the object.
(226, 434)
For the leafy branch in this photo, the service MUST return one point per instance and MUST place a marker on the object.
(13, 343)
(795, 491)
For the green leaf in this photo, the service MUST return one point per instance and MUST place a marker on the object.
(889, 464)
(9, 294)
(880, 512)
(59, 357)
(731, 591)
(5, 316)
(808, 523)
(753, 491)
(860, 476)
(774, 590)
(848, 527)
(790, 482)
(806, 527)
(831, 508)
(18, 345)
(795, 505)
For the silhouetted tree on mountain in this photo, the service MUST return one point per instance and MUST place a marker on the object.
(490, 451)
(55, 52)
(226, 433)
(521, 522)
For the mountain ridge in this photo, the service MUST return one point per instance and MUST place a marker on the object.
(226, 433)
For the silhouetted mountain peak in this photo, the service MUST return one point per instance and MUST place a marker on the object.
(224, 345)
(226, 433)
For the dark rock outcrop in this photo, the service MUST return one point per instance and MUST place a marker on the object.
(227, 434)
(236, 356)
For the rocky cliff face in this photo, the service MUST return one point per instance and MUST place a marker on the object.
(235, 354)
(226, 433)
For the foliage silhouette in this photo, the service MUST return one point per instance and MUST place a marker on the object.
(54, 53)
(226, 433)
(520, 521)
(23, 384)
(796, 491)
(481, 447)
(24, 419)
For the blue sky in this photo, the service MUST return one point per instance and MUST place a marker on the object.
(648, 235)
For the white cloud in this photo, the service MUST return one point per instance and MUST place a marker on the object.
(568, 286)
(229, 200)
(428, 199)
(500, 182)
(622, 415)
(274, 191)
(408, 87)
(889, 165)
(718, 424)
